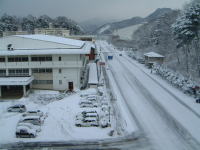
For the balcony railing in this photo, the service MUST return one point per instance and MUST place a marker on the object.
(53, 64)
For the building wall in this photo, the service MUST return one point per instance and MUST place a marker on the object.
(68, 75)
(25, 43)
(69, 69)
(154, 59)
(8, 33)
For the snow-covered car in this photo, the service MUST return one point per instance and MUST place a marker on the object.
(25, 131)
(92, 99)
(36, 127)
(92, 96)
(141, 60)
(87, 122)
(35, 120)
(17, 108)
(88, 104)
(35, 113)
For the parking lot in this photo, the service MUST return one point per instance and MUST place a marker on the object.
(59, 117)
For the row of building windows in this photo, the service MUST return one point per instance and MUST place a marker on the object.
(41, 58)
(17, 59)
(18, 72)
(42, 70)
(26, 71)
(42, 81)
(25, 59)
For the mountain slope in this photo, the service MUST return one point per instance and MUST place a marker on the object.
(109, 28)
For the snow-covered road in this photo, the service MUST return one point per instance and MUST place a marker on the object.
(167, 123)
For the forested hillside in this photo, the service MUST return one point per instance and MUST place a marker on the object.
(29, 23)
(175, 35)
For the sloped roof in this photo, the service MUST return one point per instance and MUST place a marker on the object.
(153, 54)
(55, 39)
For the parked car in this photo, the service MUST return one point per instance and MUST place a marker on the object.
(141, 60)
(120, 54)
(25, 131)
(87, 122)
(35, 113)
(35, 120)
(36, 127)
(17, 108)
(88, 104)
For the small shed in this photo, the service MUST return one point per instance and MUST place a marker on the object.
(152, 57)
(93, 76)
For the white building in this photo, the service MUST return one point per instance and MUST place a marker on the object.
(53, 62)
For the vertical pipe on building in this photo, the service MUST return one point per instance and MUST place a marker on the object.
(24, 90)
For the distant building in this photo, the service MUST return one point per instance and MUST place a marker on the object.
(152, 57)
(9, 33)
(42, 62)
(53, 31)
(83, 37)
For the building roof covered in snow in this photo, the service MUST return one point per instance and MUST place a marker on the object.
(54, 39)
(153, 54)
(70, 51)
(93, 77)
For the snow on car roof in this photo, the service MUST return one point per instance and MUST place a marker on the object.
(30, 117)
(93, 79)
(55, 39)
(153, 54)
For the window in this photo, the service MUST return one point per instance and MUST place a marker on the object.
(48, 70)
(42, 70)
(60, 58)
(60, 70)
(17, 59)
(2, 59)
(18, 72)
(60, 81)
(2, 73)
(42, 81)
(48, 58)
(11, 59)
(41, 58)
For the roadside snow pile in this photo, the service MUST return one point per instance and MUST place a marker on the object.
(185, 84)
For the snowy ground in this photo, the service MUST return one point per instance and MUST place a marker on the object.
(127, 33)
(169, 119)
(58, 126)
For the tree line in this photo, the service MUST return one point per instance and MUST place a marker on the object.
(29, 23)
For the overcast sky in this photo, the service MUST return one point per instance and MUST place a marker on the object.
(81, 10)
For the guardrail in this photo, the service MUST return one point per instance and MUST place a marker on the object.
(131, 140)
